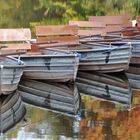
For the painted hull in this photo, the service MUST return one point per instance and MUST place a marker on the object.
(11, 71)
(55, 97)
(12, 111)
(105, 87)
(57, 68)
(106, 60)
(135, 57)
(133, 75)
(99, 57)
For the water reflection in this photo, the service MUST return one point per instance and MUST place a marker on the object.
(12, 111)
(110, 87)
(105, 113)
(53, 96)
(106, 120)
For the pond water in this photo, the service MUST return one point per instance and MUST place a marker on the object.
(102, 107)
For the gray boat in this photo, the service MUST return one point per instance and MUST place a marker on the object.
(100, 57)
(133, 75)
(11, 70)
(51, 96)
(93, 57)
(54, 66)
(135, 43)
(135, 59)
(12, 111)
(106, 87)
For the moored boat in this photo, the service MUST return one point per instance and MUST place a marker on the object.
(56, 67)
(99, 57)
(93, 56)
(52, 96)
(11, 71)
(135, 56)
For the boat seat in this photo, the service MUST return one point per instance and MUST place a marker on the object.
(86, 28)
(14, 41)
(55, 36)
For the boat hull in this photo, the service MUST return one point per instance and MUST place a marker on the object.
(106, 60)
(99, 57)
(57, 68)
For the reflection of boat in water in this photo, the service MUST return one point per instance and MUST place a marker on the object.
(55, 97)
(12, 111)
(133, 75)
(105, 87)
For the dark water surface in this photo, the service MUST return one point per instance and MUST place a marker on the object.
(103, 107)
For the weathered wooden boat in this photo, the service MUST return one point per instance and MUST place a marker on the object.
(135, 59)
(11, 71)
(55, 66)
(113, 20)
(12, 111)
(52, 96)
(13, 41)
(105, 58)
(93, 56)
(113, 88)
(99, 57)
(133, 75)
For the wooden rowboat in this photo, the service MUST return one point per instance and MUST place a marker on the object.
(12, 111)
(105, 87)
(57, 67)
(135, 57)
(93, 56)
(99, 57)
(52, 96)
(11, 71)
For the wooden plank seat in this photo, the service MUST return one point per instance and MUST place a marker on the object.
(95, 31)
(130, 31)
(92, 57)
(13, 41)
(86, 28)
(55, 36)
(123, 20)
(113, 23)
